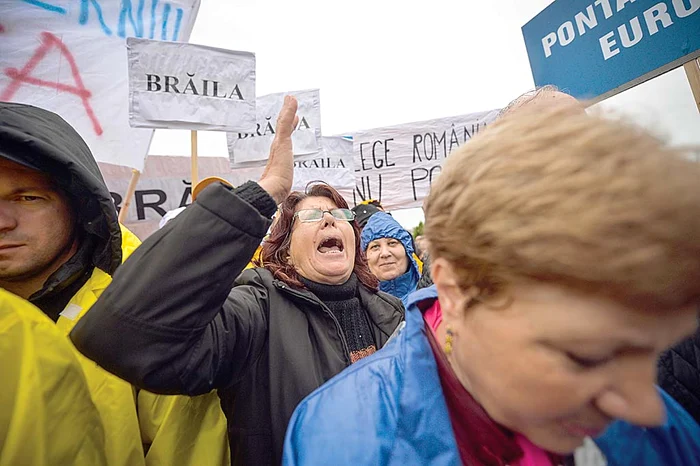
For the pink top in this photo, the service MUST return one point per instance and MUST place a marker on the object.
(532, 454)
(433, 317)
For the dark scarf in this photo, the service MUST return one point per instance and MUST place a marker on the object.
(65, 282)
(344, 302)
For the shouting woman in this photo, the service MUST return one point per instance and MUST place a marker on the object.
(178, 318)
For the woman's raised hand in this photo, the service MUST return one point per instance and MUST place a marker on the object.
(279, 171)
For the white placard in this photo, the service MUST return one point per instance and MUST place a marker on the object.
(331, 164)
(396, 165)
(341, 179)
(244, 148)
(335, 153)
(69, 56)
(186, 86)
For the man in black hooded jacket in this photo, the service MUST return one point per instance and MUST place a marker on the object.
(58, 221)
(60, 243)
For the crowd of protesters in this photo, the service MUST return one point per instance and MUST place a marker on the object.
(559, 269)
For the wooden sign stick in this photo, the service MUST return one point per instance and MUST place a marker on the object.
(135, 174)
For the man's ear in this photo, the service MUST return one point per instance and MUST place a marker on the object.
(453, 299)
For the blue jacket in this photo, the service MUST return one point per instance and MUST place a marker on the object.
(388, 409)
(383, 225)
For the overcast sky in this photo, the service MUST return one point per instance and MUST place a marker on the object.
(386, 62)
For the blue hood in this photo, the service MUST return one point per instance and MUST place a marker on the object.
(383, 225)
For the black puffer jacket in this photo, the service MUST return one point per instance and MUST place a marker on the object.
(171, 322)
(679, 374)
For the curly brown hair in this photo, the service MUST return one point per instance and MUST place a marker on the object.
(577, 200)
(275, 250)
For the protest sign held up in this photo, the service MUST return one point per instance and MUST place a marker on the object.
(335, 153)
(186, 86)
(331, 164)
(254, 146)
(69, 56)
(396, 165)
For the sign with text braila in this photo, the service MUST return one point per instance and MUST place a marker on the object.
(331, 164)
(69, 56)
(593, 49)
(186, 86)
(397, 165)
(253, 147)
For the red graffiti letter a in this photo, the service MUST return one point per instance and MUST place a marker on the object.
(18, 77)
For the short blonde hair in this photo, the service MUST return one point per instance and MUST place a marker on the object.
(572, 199)
(527, 97)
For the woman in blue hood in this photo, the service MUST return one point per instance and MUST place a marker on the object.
(389, 250)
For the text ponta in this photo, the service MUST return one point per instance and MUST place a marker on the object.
(627, 35)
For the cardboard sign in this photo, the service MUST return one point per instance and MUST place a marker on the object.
(185, 86)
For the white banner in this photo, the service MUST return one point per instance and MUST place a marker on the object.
(244, 148)
(186, 86)
(164, 185)
(396, 165)
(69, 56)
(335, 153)
(333, 164)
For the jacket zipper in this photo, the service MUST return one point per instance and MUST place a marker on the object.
(323, 307)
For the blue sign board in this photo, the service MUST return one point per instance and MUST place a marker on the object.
(593, 49)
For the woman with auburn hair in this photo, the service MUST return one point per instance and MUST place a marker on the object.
(566, 257)
(178, 318)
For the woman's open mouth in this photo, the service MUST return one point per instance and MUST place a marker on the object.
(331, 245)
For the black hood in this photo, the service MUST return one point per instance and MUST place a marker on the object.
(44, 141)
(363, 212)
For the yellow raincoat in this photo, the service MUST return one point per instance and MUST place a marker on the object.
(47, 416)
(256, 257)
(175, 430)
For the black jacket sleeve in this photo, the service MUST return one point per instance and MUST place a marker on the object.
(170, 321)
(679, 373)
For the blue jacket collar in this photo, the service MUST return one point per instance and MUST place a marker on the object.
(422, 299)
(424, 431)
(402, 285)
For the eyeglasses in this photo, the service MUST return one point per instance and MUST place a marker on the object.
(315, 215)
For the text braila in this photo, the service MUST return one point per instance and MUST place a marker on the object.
(204, 87)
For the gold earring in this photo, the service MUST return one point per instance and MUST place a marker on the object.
(448, 341)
